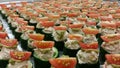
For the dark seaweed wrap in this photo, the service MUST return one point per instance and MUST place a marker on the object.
(3, 63)
(24, 43)
(102, 58)
(96, 65)
(70, 52)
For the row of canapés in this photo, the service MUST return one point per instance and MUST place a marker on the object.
(9, 52)
(11, 57)
(74, 27)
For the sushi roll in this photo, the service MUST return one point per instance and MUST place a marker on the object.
(33, 21)
(41, 12)
(94, 25)
(116, 16)
(63, 62)
(65, 23)
(72, 14)
(84, 10)
(98, 4)
(11, 18)
(90, 24)
(92, 10)
(2, 6)
(24, 39)
(3, 35)
(106, 18)
(107, 28)
(9, 12)
(106, 4)
(16, 22)
(48, 29)
(63, 16)
(24, 14)
(20, 23)
(115, 4)
(7, 46)
(18, 32)
(75, 28)
(39, 27)
(60, 35)
(33, 37)
(103, 12)
(3, 10)
(13, 5)
(112, 61)
(73, 20)
(54, 17)
(20, 59)
(22, 28)
(93, 17)
(44, 51)
(72, 46)
(103, 28)
(90, 34)
(88, 55)
(82, 18)
(109, 46)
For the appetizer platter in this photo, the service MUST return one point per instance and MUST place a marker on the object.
(60, 34)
